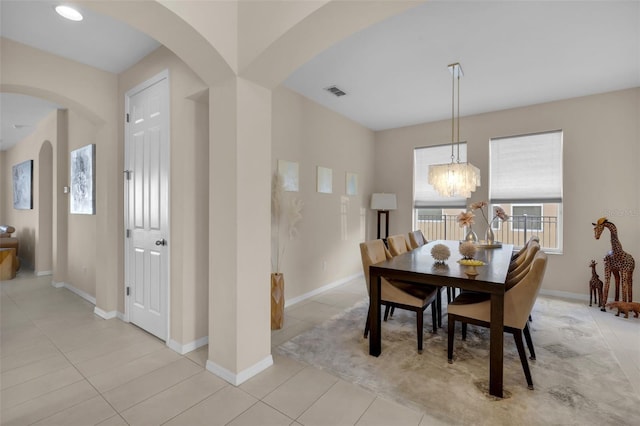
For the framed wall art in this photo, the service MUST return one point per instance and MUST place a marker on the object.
(289, 172)
(23, 185)
(325, 180)
(352, 183)
(83, 180)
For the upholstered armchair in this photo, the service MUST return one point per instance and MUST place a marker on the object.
(9, 262)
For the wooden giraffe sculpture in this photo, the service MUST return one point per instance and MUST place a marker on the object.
(616, 262)
(595, 286)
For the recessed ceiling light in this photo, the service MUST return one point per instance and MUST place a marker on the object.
(69, 12)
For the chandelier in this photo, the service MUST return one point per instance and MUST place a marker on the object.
(455, 179)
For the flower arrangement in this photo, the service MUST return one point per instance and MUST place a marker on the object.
(498, 212)
(293, 217)
(465, 219)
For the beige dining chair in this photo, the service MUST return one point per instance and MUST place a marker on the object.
(524, 247)
(518, 303)
(398, 294)
(398, 245)
(416, 239)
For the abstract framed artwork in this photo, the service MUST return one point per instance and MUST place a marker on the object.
(83, 180)
(352, 183)
(325, 180)
(23, 185)
(289, 172)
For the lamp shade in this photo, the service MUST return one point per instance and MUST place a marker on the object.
(383, 201)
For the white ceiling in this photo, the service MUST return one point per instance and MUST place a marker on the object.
(97, 40)
(513, 53)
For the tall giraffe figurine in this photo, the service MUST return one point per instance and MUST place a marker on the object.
(616, 262)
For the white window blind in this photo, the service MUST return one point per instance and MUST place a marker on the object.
(526, 169)
(424, 195)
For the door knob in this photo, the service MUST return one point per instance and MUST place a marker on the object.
(161, 242)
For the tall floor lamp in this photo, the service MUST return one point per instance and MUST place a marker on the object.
(383, 203)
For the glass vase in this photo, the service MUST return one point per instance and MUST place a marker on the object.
(489, 237)
(471, 236)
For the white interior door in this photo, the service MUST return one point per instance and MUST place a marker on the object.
(147, 205)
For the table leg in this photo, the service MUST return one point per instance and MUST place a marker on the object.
(496, 345)
(375, 335)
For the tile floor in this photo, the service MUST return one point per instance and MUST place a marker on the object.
(62, 365)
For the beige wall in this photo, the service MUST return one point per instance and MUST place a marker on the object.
(601, 153)
(189, 171)
(326, 249)
(26, 222)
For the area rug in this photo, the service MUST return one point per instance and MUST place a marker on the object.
(576, 377)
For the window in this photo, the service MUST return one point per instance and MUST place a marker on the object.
(434, 214)
(525, 177)
(526, 217)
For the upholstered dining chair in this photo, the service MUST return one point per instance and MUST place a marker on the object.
(398, 294)
(416, 239)
(398, 244)
(525, 247)
(518, 303)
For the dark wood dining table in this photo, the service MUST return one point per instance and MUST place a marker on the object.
(418, 266)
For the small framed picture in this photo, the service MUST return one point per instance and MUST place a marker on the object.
(289, 172)
(352, 183)
(325, 180)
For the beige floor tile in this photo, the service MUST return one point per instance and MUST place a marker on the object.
(268, 380)
(35, 369)
(105, 343)
(343, 404)
(200, 355)
(39, 386)
(263, 415)
(383, 413)
(137, 390)
(297, 394)
(340, 299)
(132, 370)
(291, 328)
(314, 312)
(116, 359)
(175, 400)
(116, 420)
(219, 409)
(38, 351)
(47, 404)
(90, 412)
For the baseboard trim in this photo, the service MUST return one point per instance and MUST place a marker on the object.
(322, 289)
(565, 295)
(57, 284)
(187, 347)
(104, 314)
(241, 377)
(43, 273)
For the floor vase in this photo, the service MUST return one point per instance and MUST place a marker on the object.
(277, 300)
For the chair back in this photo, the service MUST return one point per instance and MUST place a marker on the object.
(372, 252)
(516, 274)
(525, 247)
(416, 239)
(523, 261)
(519, 301)
(398, 244)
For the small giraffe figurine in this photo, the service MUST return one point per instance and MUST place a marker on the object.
(616, 262)
(595, 286)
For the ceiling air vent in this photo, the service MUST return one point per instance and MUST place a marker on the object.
(335, 91)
